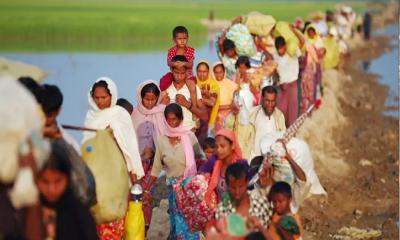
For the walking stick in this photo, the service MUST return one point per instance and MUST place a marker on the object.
(289, 134)
(71, 127)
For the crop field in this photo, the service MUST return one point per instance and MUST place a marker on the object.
(123, 25)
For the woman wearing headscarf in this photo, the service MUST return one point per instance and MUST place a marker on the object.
(228, 152)
(311, 71)
(64, 216)
(227, 89)
(176, 151)
(106, 114)
(148, 119)
(210, 96)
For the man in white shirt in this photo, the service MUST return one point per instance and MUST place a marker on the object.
(266, 118)
(288, 71)
(188, 95)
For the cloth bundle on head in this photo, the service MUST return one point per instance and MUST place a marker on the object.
(301, 154)
(118, 119)
(213, 87)
(242, 38)
(292, 42)
(20, 135)
(216, 173)
(156, 114)
(259, 24)
(183, 133)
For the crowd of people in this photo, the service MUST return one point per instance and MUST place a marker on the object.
(222, 134)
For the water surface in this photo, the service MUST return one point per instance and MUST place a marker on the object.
(74, 74)
(387, 67)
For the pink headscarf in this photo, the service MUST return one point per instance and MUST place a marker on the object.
(183, 132)
(236, 155)
(155, 115)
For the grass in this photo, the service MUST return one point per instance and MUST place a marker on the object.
(123, 25)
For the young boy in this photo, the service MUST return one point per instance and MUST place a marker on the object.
(186, 94)
(208, 147)
(166, 80)
(180, 37)
(288, 71)
(284, 223)
(51, 100)
(228, 55)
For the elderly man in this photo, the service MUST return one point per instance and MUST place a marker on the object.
(266, 118)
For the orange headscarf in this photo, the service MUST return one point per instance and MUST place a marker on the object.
(236, 155)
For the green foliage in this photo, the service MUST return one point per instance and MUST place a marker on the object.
(122, 25)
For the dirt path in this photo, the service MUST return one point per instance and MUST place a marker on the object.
(361, 173)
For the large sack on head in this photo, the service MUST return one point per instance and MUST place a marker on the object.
(104, 158)
(259, 24)
(292, 42)
(243, 40)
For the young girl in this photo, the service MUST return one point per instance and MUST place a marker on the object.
(228, 152)
(210, 92)
(243, 103)
(284, 223)
(227, 89)
(64, 216)
(148, 120)
(228, 55)
(311, 69)
(242, 79)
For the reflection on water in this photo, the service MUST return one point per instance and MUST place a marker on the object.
(386, 66)
(74, 73)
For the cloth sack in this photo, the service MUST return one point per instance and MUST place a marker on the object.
(283, 29)
(104, 158)
(259, 24)
(190, 199)
(241, 36)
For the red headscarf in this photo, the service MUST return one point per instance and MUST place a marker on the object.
(236, 155)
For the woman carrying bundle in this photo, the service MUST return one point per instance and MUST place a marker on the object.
(176, 150)
(103, 115)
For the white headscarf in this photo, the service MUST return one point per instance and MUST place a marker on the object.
(119, 120)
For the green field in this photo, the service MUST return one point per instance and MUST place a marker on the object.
(123, 25)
